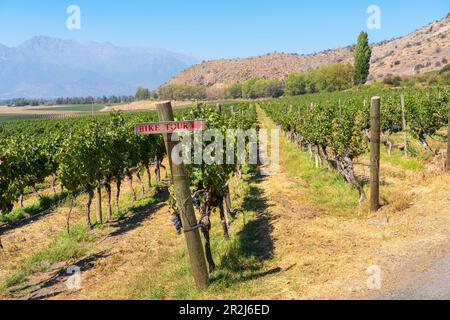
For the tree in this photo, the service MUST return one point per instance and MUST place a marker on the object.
(8, 193)
(234, 91)
(216, 92)
(30, 163)
(363, 54)
(248, 90)
(329, 78)
(272, 88)
(392, 80)
(210, 181)
(142, 94)
(82, 161)
(181, 92)
(296, 84)
(115, 162)
(337, 76)
(255, 88)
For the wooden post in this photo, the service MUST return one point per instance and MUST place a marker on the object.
(405, 134)
(375, 132)
(184, 201)
(448, 143)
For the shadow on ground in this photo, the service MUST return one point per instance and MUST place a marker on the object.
(253, 245)
(52, 283)
(44, 206)
(138, 214)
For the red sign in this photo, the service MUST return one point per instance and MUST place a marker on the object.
(169, 127)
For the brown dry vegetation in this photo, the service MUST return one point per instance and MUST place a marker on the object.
(144, 105)
(47, 110)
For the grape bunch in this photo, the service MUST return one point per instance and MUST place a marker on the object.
(176, 219)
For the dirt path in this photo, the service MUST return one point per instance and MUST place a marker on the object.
(432, 284)
(314, 256)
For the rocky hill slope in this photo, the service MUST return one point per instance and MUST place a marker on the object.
(423, 50)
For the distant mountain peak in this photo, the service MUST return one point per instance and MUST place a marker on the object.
(47, 67)
(45, 41)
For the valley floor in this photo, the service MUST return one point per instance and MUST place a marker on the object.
(285, 243)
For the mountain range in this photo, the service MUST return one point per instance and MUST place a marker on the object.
(423, 50)
(45, 67)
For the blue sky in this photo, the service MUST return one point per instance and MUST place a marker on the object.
(217, 28)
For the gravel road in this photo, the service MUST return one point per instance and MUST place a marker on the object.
(433, 284)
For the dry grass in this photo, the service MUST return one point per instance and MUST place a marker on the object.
(144, 105)
(25, 243)
(332, 253)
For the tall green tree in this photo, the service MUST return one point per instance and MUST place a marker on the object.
(363, 53)
(142, 94)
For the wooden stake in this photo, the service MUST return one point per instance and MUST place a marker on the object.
(184, 201)
(375, 132)
(405, 134)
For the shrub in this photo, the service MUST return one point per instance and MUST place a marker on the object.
(234, 91)
(255, 88)
(296, 84)
(391, 80)
(182, 92)
(142, 94)
(327, 78)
